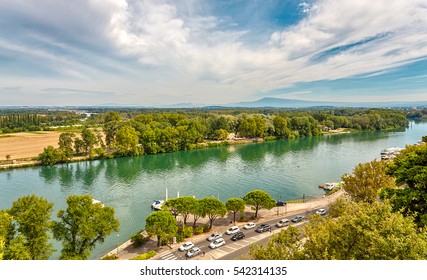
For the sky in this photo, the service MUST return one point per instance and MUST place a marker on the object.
(160, 52)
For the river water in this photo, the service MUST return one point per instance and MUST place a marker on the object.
(287, 169)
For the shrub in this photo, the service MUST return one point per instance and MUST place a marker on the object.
(138, 240)
(145, 256)
(109, 257)
(187, 232)
(199, 230)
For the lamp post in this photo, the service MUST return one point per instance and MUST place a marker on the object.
(118, 245)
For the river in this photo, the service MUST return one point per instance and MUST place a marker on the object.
(287, 169)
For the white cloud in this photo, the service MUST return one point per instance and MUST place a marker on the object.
(183, 48)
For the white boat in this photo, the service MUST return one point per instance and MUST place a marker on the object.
(330, 186)
(157, 204)
(94, 201)
(390, 153)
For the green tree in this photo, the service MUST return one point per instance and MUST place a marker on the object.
(198, 211)
(235, 205)
(127, 141)
(186, 206)
(79, 146)
(281, 128)
(363, 231)
(82, 225)
(173, 205)
(161, 224)
(366, 181)
(65, 143)
(410, 170)
(259, 199)
(30, 227)
(214, 209)
(49, 156)
(89, 139)
(5, 228)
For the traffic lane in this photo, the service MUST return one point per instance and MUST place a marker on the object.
(251, 236)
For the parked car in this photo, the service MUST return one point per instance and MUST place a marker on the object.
(214, 236)
(217, 243)
(186, 246)
(193, 252)
(263, 227)
(238, 236)
(297, 219)
(232, 230)
(283, 223)
(321, 211)
(280, 203)
(249, 225)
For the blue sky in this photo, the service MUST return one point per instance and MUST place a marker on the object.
(91, 52)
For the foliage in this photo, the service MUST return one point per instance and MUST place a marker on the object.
(198, 211)
(366, 181)
(410, 170)
(89, 139)
(260, 200)
(109, 257)
(82, 225)
(145, 256)
(235, 205)
(49, 156)
(138, 239)
(30, 226)
(126, 141)
(65, 143)
(162, 224)
(213, 209)
(363, 231)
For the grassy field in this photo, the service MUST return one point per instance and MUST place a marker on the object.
(26, 144)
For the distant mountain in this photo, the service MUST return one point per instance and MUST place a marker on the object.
(295, 103)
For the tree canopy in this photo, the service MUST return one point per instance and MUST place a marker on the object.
(30, 228)
(161, 224)
(235, 205)
(366, 181)
(410, 170)
(214, 209)
(82, 225)
(259, 199)
(362, 231)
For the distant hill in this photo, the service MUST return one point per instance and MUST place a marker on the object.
(294, 103)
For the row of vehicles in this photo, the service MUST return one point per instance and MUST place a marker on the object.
(216, 239)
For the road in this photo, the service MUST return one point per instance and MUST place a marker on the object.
(235, 249)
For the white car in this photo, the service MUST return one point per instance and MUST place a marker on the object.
(232, 230)
(321, 211)
(249, 225)
(214, 236)
(186, 246)
(283, 223)
(217, 243)
(193, 252)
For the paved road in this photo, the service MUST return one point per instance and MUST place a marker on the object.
(233, 249)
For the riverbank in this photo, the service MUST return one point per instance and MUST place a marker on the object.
(126, 251)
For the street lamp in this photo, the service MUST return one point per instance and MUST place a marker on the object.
(118, 245)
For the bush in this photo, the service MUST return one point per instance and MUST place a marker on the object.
(187, 232)
(138, 240)
(199, 230)
(145, 256)
(109, 257)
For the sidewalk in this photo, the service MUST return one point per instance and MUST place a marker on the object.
(126, 251)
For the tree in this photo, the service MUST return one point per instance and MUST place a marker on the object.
(82, 225)
(65, 143)
(214, 209)
(363, 231)
(410, 170)
(5, 226)
(260, 200)
(30, 226)
(173, 205)
(161, 224)
(49, 156)
(198, 211)
(366, 181)
(89, 140)
(185, 207)
(235, 205)
(127, 141)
